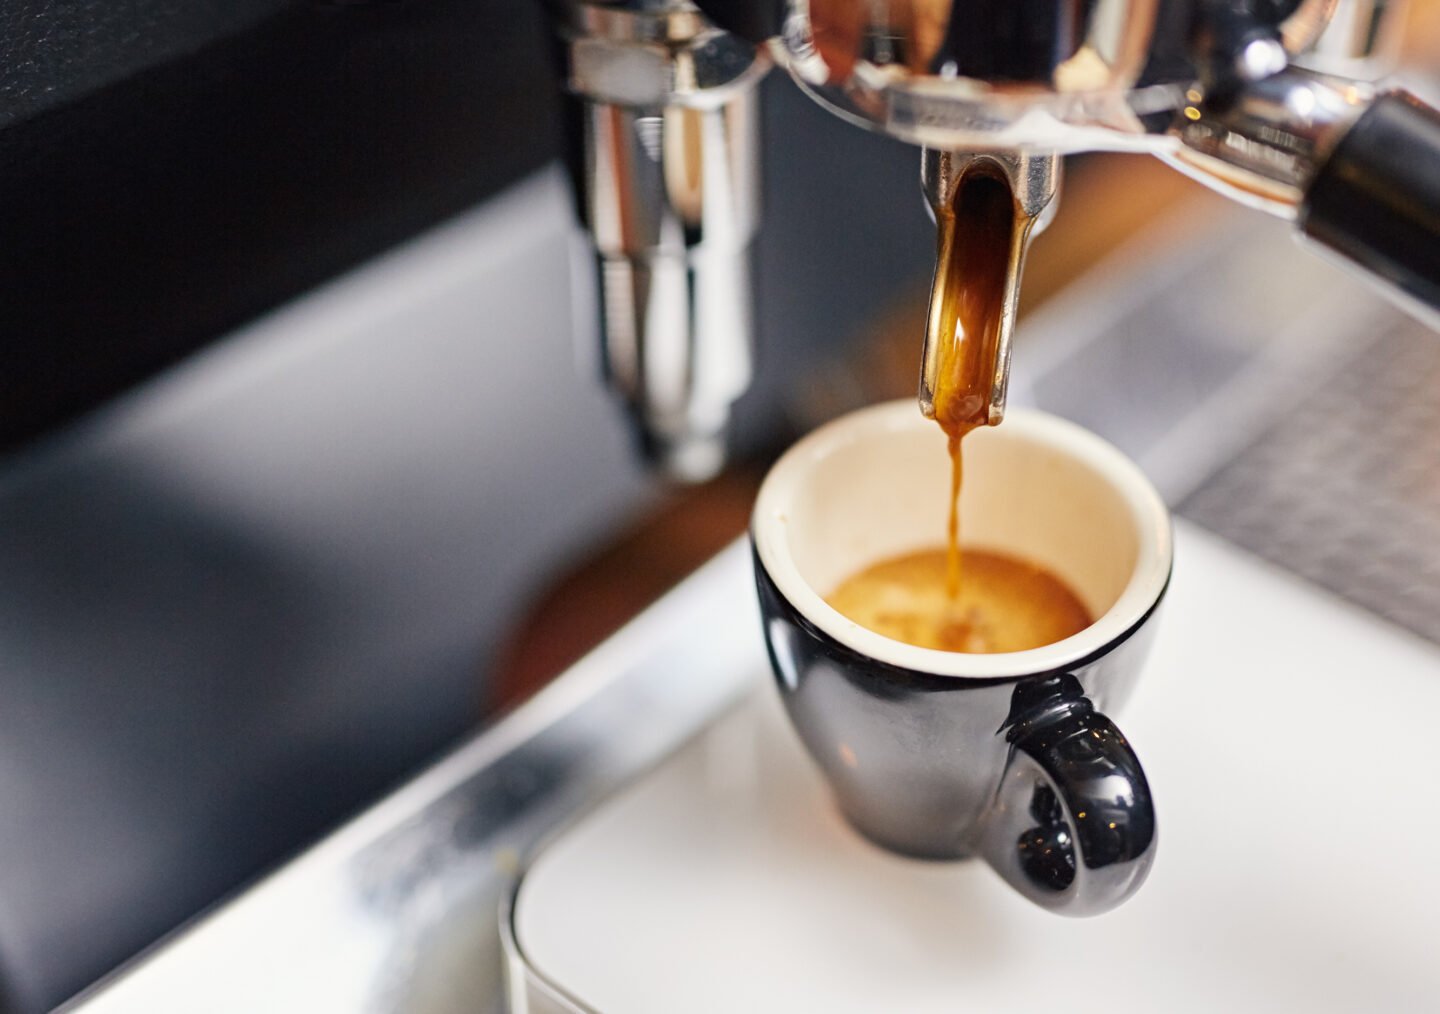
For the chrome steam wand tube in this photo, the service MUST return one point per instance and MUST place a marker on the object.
(669, 185)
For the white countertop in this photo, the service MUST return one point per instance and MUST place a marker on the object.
(1287, 737)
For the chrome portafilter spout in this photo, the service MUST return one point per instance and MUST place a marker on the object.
(669, 185)
(979, 260)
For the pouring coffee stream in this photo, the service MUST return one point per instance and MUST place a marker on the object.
(986, 207)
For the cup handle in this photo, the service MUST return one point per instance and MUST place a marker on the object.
(1072, 824)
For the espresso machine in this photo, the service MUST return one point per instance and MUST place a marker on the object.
(1246, 97)
(267, 513)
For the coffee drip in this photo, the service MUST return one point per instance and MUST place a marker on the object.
(930, 598)
(978, 239)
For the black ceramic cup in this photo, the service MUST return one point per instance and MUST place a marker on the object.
(942, 755)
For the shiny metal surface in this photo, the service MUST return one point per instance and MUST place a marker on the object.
(966, 74)
(1057, 76)
(396, 910)
(1360, 41)
(670, 185)
(1265, 148)
(1207, 87)
(1034, 182)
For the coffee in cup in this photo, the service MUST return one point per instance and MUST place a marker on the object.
(1002, 604)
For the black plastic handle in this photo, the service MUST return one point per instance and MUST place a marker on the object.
(753, 20)
(1376, 200)
(1072, 826)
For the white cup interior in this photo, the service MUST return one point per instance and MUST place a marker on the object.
(875, 484)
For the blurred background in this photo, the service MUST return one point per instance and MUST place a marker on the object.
(307, 476)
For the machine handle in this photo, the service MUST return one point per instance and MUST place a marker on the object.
(1376, 200)
(752, 20)
(1072, 825)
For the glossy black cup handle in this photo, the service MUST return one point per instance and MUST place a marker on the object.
(1072, 824)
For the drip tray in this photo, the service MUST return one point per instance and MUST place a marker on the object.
(1345, 488)
(1273, 398)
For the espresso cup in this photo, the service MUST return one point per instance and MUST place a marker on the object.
(943, 755)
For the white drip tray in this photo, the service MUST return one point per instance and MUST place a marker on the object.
(1287, 736)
